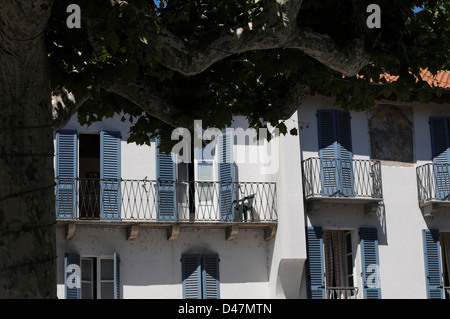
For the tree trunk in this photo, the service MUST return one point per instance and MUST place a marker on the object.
(27, 207)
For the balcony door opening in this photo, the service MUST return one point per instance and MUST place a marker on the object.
(89, 176)
(185, 190)
(339, 264)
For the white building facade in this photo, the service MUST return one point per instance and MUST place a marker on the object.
(354, 206)
(134, 224)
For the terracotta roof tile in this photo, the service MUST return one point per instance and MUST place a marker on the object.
(442, 78)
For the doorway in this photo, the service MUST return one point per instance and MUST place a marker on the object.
(89, 176)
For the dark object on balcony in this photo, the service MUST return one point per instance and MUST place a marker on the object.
(245, 205)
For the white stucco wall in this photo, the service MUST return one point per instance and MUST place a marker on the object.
(150, 264)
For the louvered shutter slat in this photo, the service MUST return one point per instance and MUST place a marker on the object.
(335, 150)
(370, 263)
(345, 153)
(116, 276)
(210, 272)
(66, 171)
(110, 175)
(432, 257)
(226, 177)
(191, 276)
(71, 276)
(314, 241)
(166, 175)
(327, 133)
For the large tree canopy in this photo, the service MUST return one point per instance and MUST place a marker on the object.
(182, 60)
(166, 63)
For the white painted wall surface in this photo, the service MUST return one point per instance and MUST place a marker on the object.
(150, 265)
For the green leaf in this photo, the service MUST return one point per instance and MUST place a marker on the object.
(112, 40)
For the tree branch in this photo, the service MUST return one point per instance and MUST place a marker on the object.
(290, 102)
(348, 60)
(64, 106)
(275, 28)
(147, 99)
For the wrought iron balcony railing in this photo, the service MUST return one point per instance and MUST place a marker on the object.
(165, 201)
(338, 178)
(342, 292)
(433, 183)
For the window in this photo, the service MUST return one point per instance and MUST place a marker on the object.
(97, 278)
(92, 277)
(205, 186)
(339, 264)
(200, 276)
(88, 173)
(215, 183)
(331, 263)
(437, 263)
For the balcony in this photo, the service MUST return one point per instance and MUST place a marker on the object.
(342, 181)
(169, 204)
(433, 186)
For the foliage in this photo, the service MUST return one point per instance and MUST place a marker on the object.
(120, 39)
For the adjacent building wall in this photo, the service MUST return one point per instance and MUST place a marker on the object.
(405, 132)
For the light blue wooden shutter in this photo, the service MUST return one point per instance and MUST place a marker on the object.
(72, 274)
(226, 177)
(116, 276)
(166, 194)
(66, 173)
(191, 276)
(110, 175)
(432, 257)
(370, 263)
(345, 153)
(328, 150)
(210, 276)
(315, 268)
(440, 144)
(335, 150)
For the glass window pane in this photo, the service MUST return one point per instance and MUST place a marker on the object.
(205, 171)
(107, 269)
(86, 290)
(107, 290)
(86, 269)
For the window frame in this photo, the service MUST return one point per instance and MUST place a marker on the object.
(97, 279)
